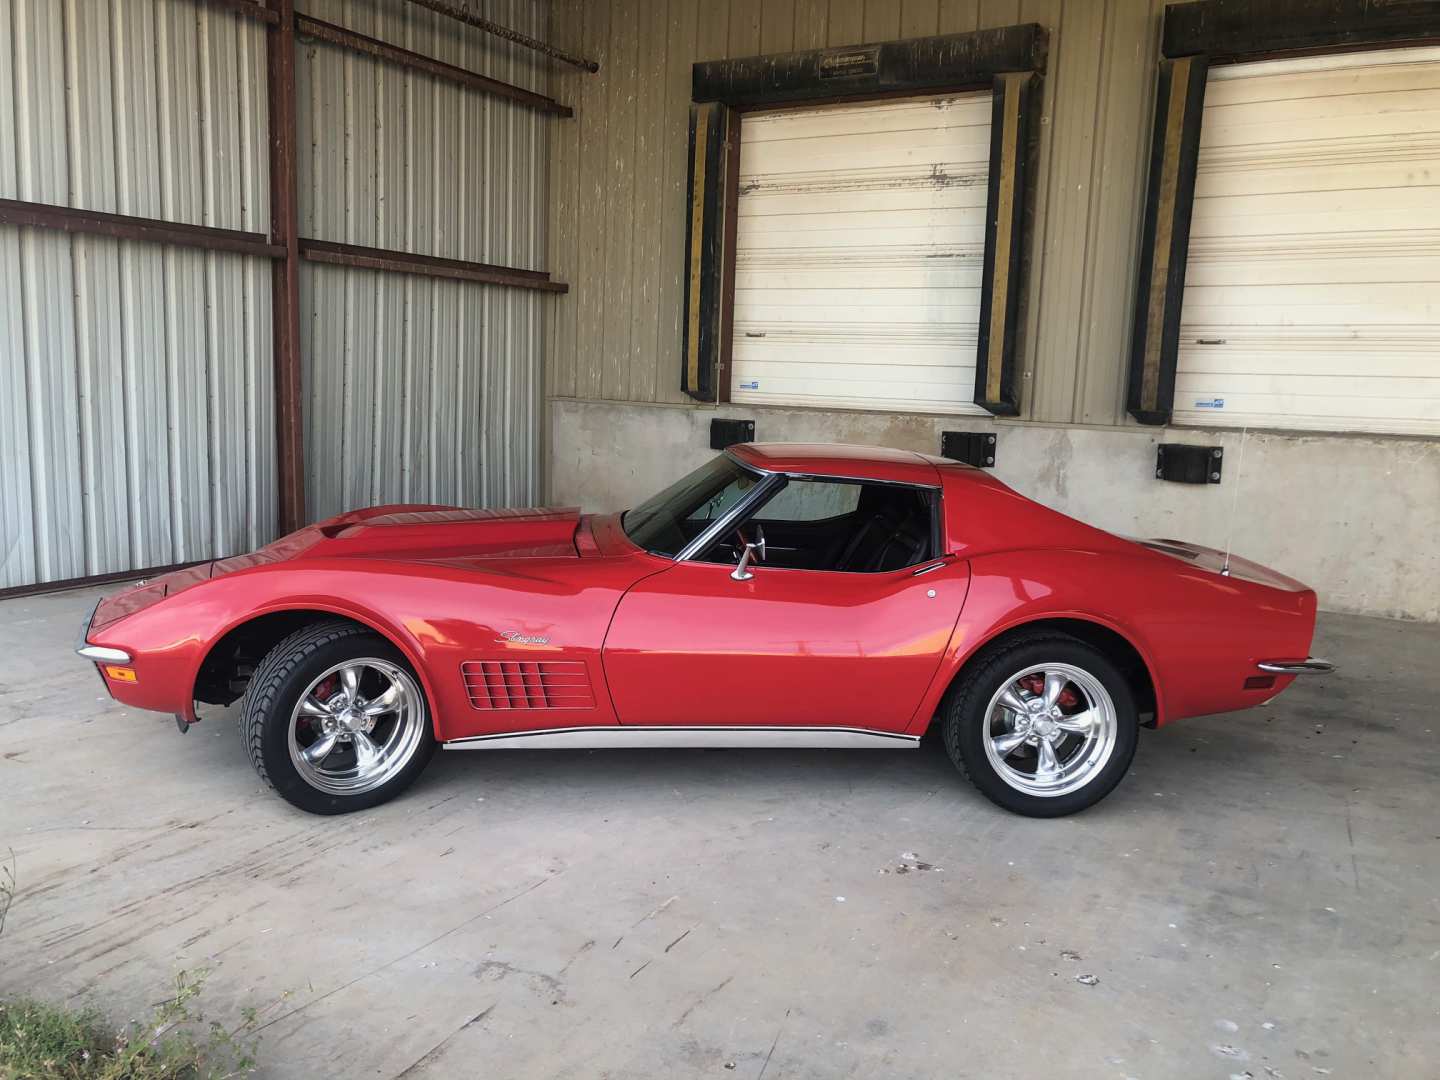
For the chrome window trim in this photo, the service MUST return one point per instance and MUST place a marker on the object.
(837, 478)
(726, 520)
(83, 638)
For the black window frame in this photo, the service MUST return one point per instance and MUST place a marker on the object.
(745, 511)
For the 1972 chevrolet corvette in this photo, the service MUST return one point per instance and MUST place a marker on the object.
(780, 595)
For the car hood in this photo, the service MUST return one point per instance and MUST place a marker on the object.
(427, 533)
(418, 533)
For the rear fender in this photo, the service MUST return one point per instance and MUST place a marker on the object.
(1200, 634)
(1013, 589)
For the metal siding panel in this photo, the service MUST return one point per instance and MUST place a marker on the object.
(847, 22)
(1126, 91)
(132, 373)
(650, 132)
(1310, 297)
(588, 294)
(919, 18)
(17, 498)
(9, 94)
(959, 16)
(1063, 200)
(666, 242)
(42, 168)
(422, 389)
(619, 197)
(566, 24)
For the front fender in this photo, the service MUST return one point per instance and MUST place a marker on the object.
(438, 616)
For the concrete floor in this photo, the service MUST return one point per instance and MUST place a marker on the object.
(1260, 897)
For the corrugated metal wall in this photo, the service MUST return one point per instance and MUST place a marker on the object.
(618, 179)
(135, 380)
(420, 389)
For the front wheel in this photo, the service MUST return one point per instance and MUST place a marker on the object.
(334, 720)
(1045, 725)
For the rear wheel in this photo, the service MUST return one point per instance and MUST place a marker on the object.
(1044, 725)
(334, 719)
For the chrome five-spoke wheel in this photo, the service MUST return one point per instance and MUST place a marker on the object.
(356, 726)
(335, 719)
(1042, 723)
(1051, 728)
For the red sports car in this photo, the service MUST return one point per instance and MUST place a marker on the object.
(781, 595)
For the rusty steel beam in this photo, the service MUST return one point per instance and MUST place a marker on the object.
(285, 273)
(459, 10)
(125, 227)
(254, 9)
(309, 27)
(400, 262)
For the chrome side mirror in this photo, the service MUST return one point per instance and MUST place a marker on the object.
(752, 552)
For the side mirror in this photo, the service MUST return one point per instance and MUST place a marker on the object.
(752, 552)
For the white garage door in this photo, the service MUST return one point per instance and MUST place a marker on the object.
(859, 246)
(1312, 290)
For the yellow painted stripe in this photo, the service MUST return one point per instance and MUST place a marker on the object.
(697, 235)
(1004, 230)
(1164, 232)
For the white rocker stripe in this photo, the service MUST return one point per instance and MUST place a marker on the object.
(614, 737)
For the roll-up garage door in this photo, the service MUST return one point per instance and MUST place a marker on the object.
(859, 245)
(1312, 290)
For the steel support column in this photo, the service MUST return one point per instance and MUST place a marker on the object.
(285, 270)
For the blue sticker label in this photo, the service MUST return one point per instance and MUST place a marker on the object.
(753, 384)
(1211, 403)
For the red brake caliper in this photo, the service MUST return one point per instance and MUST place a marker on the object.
(322, 694)
(1035, 684)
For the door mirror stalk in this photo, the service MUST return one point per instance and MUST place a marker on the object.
(751, 553)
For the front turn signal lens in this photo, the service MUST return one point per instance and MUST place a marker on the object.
(120, 674)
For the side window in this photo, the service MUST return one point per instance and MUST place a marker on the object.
(719, 503)
(811, 500)
(838, 526)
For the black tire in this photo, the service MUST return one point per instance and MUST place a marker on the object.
(283, 676)
(965, 725)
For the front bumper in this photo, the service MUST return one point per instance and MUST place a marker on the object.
(1295, 667)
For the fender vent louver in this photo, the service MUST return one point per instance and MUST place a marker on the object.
(527, 684)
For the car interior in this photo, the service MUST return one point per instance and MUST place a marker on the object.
(837, 526)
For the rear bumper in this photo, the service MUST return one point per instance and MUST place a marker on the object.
(1295, 667)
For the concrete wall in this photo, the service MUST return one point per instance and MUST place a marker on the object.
(1356, 518)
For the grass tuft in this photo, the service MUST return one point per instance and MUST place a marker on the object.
(39, 1041)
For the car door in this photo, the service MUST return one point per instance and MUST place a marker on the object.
(789, 645)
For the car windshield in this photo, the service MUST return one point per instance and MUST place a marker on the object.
(667, 522)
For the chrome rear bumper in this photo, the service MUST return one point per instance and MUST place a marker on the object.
(1295, 667)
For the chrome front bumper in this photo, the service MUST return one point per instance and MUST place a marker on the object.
(1295, 667)
(98, 653)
